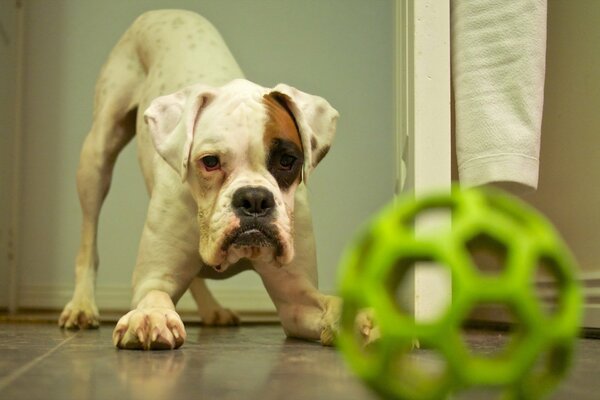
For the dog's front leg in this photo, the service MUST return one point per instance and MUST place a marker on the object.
(159, 282)
(305, 312)
(167, 262)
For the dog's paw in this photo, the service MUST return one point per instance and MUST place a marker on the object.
(79, 314)
(149, 329)
(331, 320)
(365, 328)
(219, 316)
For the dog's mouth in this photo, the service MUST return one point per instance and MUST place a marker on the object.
(254, 234)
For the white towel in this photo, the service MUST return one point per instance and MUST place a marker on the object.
(498, 66)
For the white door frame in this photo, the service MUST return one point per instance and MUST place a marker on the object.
(424, 127)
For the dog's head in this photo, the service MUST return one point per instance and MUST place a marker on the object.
(243, 150)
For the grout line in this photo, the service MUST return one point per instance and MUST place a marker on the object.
(7, 380)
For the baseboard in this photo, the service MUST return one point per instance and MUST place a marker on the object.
(118, 298)
(590, 282)
(591, 292)
(4, 279)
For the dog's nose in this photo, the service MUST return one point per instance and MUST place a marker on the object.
(253, 201)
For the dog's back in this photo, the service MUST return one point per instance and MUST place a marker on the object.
(176, 48)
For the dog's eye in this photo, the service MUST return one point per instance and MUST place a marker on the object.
(211, 163)
(287, 161)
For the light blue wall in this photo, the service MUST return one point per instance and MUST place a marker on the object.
(340, 49)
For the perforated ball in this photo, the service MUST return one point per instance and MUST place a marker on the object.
(384, 257)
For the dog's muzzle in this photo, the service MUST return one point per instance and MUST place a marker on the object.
(255, 207)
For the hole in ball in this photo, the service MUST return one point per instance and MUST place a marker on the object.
(491, 330)
(488, 254)
(402, 282)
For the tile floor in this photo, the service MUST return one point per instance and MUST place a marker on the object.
(39, 361)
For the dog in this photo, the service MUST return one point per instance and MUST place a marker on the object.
(225, 162)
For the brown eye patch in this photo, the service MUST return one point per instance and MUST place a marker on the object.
(280, 120)
(284, 162)
(282, 140)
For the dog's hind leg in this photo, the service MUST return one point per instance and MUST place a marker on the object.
(112, 128)
(211, 312)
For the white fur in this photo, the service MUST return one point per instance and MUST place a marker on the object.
(190, 209)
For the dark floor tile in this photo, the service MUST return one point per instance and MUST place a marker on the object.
(251, 362)
(248, 362)
(21, 344)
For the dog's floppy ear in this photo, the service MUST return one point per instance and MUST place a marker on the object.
(172, 120)
(316, 120)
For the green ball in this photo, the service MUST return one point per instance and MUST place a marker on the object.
(381, 259)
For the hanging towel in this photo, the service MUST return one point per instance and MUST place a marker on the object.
(498, 66)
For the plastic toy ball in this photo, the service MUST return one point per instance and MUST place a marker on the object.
(373, 269)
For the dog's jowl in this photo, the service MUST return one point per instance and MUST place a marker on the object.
(225, 162)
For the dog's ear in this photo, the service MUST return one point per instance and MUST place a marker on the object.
(316, 120)
(172, 120)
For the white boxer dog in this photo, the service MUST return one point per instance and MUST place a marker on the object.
(225, 162)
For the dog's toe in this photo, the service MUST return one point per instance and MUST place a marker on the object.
(162, 339)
